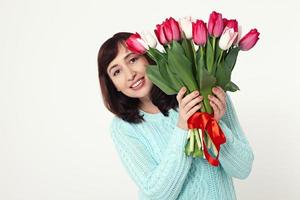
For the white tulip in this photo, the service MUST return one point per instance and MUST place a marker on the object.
(239, 35)
(227, 38)
(149, 39)
(185, 24)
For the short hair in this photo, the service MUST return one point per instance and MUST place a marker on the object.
(116, 102)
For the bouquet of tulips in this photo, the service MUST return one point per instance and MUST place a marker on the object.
(199, 57)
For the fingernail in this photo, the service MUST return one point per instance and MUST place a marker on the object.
(196, 93)
(215, 89)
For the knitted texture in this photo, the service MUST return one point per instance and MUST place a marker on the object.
(153, 154)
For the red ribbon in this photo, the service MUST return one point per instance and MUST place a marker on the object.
(206, 122)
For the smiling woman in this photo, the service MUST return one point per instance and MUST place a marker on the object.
(119, 70)
(150, 131)
(127, 72)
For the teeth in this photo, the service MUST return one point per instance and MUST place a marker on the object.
(137, 83)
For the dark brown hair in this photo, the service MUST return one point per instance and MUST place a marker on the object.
(121, 105)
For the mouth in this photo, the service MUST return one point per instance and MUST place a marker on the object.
(138, 84)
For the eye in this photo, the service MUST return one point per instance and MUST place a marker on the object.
(132, 60)
(116, 72)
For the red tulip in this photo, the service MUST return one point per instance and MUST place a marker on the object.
(136, 44)
(249, 40)
(199, 33)
(225, 22)
(159, 32)
(232, 23)
(215, 24)
(168, 31)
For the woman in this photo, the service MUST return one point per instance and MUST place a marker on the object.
(149, 131)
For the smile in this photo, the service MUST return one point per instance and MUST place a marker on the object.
(139, 84)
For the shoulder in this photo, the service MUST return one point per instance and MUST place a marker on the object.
(120, 128)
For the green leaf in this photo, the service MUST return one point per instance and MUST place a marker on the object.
(190, 53)
(232, 87)
(175, 81)
(162, 66)
(231, 57)
(156, 55)
(209, 55)
(218, 50)
(206, 80)
(200, 67)
(182, 67)
(223, 75)
(155, 76)
(176, 47)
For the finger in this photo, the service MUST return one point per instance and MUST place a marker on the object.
(192, 103)
(189, 97)
(217, 102)
(215, 108)
(180, 94)
(219, 92)
(193, 110)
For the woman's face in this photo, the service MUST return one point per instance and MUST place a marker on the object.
(128, 73)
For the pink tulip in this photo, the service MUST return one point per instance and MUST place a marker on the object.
(249, 40)
(168, 31)
(136, 44)
(176, 34)
(167, 28)
(159, 32)
(199, 33)
(227, 38)
(215, 24)
(232, 23)
(225, 22)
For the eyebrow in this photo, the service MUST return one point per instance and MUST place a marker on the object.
(129, 54)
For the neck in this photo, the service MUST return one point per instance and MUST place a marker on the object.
(147, 105)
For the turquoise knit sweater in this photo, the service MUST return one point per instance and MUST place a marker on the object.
(153, 154)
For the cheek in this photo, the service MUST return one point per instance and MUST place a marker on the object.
(119, 83)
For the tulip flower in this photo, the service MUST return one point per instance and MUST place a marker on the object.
(180, 64)
(186, 26)
(136, 44)
(227, 38)
(232, 23)
(149, 39)
(160, 35)
(174, 25)
(225, 22)
(215, 24)
(238, 38)
(249, 40)
(199, 33)
(168, 31)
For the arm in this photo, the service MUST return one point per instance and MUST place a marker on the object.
(236, 156)
(162, 180)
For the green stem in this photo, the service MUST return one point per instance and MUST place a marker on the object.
(220, 58)
(192, 140)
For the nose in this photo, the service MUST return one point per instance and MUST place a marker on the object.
(130, 74)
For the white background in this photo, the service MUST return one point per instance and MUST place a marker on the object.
(54, 139)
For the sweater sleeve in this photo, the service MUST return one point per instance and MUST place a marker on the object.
(162, 180)
(236, 155)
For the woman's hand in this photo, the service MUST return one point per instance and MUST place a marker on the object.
(218, 102)
(188, 105)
